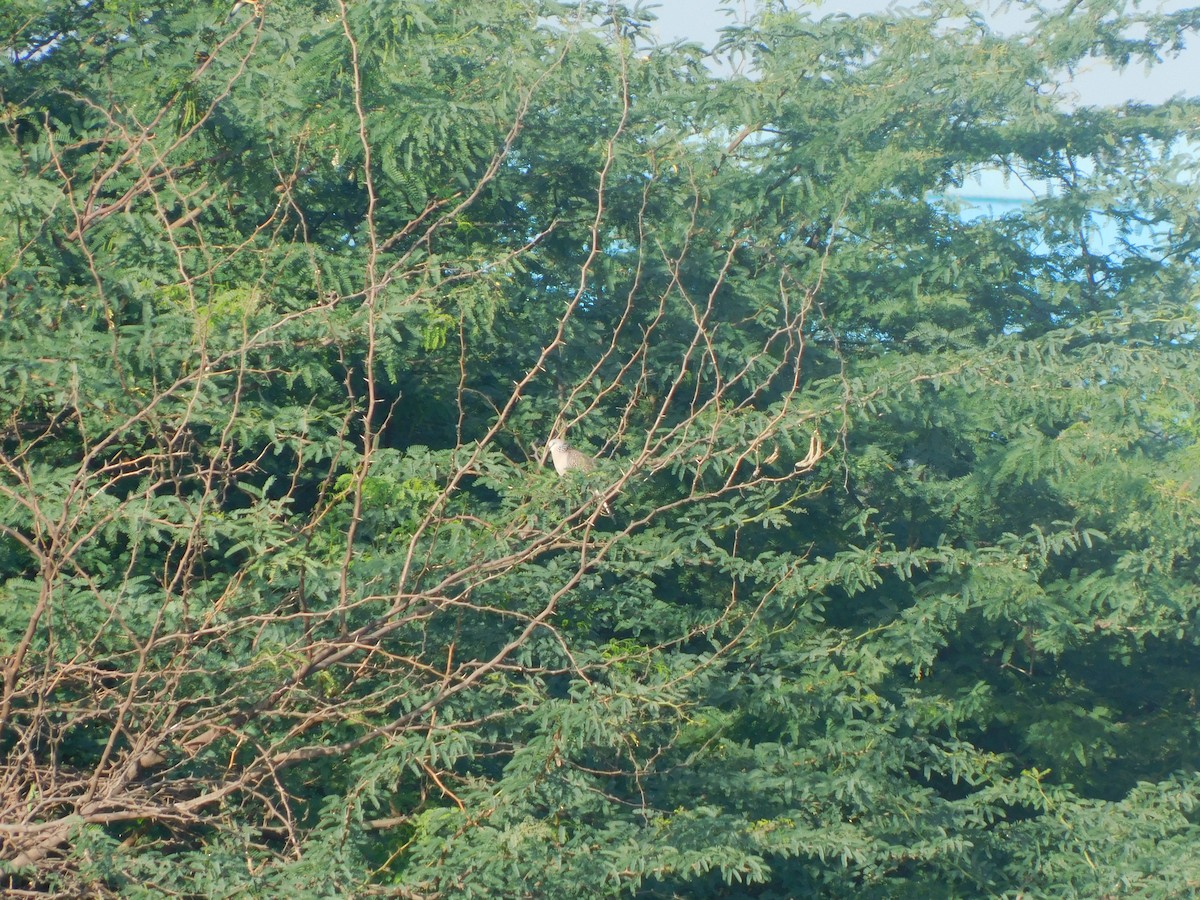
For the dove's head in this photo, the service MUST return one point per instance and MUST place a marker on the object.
(558, 445)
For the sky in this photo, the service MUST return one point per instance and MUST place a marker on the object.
(988, 191)
(700, 20)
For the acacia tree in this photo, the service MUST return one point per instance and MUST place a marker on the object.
(899, 589)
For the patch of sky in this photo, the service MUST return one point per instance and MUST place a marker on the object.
(993, 194)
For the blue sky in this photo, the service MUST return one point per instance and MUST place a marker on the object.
(700, 20)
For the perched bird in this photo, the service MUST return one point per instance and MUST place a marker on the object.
(257, 6)
(567, 459)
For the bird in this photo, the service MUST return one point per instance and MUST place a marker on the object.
(256, 5)
(567, 459)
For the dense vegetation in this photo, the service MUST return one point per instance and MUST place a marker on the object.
(899, 596)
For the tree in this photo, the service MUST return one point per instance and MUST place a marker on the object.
(897, 594)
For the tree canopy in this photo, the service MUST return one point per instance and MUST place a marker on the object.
(899, 595)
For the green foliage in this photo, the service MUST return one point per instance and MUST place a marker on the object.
(899, 593)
